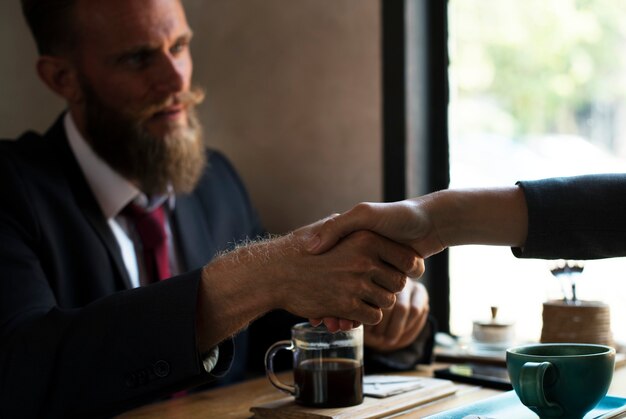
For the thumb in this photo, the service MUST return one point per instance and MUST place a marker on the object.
(331, 230)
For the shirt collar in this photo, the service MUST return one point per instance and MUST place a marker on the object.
(112, 191)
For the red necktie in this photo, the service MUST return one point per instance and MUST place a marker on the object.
(150, 226)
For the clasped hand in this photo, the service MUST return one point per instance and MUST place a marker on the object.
(403, 321)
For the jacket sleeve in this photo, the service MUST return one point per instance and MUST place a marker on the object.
(582, 217)
(112, 354)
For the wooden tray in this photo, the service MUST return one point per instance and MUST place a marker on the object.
(286, 408)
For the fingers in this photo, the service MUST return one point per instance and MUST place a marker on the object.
(418, 270)
(403, 323)
(422, 304)
(399, 319)
(367, 314)
(353, 281)
(326, 233)
(332, 324)
(416, 316)
(395, 319)
(379, 298)
(338, 226)
(372, 315)
(401, 257)
(315, 322)
(345, 324)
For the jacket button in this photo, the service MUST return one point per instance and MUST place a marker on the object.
(131, 381)
(161, 369)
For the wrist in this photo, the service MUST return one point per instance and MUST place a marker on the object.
(493, 216)
(439, 210)
(231, 294)
(241, 275)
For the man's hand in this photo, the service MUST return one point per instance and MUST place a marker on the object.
(360, 275)
(401, 323)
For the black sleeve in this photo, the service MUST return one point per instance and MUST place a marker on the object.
(582, 217)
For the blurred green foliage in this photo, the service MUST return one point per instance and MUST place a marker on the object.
(542, 63)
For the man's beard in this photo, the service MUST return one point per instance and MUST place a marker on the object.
(152, 162)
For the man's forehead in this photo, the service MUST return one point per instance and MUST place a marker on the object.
(127, 23)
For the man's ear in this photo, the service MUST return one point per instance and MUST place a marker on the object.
(59, 74)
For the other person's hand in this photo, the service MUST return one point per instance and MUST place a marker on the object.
(407, 222)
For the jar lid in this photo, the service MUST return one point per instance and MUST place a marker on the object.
(494, 321)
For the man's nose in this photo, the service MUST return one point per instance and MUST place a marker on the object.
(171, 75)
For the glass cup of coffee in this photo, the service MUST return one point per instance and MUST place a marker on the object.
(327, 367)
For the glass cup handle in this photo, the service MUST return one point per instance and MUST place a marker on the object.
(531, 381)
(269, 366)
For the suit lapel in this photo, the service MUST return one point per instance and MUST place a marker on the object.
(193, 234)
(86, 201)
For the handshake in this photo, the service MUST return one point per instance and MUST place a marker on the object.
(385, 259)
(353, 268)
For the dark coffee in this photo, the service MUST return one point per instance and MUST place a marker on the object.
(330, 382)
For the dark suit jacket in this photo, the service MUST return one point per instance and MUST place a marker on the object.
(74, 339)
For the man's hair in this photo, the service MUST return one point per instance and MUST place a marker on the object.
(52, 24)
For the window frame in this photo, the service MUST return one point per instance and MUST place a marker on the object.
(415, 96)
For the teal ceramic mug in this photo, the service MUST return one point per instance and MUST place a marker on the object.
(561, 380)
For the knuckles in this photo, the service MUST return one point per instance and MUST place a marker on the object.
(414, 312)
(375, 317)
(387, 300)
(405, 309)
(365, 265)
(364, 210)
(397, 282)
(330, 222)
(415, 266)
(420, 269)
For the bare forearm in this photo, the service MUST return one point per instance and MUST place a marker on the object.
(494, 216)
(229, 297)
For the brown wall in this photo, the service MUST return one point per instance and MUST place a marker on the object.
(293, 98)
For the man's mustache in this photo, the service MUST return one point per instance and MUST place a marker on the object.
(188, 99)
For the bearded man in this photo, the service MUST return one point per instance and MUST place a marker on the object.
(119, 194)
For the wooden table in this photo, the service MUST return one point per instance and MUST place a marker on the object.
(235, 401)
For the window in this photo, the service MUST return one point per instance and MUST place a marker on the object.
(537, 89)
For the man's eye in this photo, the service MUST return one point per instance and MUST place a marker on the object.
(137, 59)
(178, 47)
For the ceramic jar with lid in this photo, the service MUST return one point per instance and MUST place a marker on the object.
(492, 334)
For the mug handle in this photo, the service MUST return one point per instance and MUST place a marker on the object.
(531, 382)
(269, 366)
